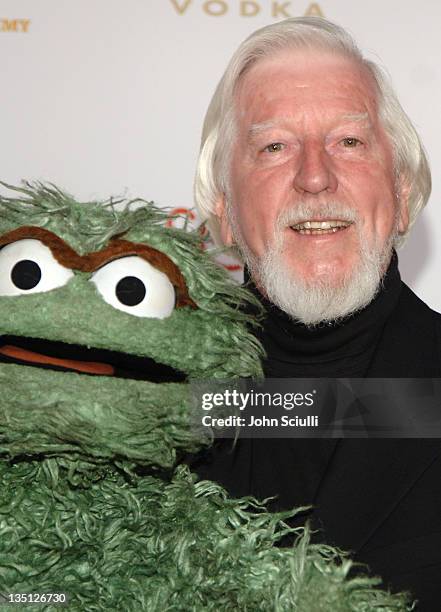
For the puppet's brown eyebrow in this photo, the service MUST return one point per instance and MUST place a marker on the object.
(62, 252)
(116, 249)
(122, 248)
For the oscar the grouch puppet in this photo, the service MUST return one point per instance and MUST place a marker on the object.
(105, 317)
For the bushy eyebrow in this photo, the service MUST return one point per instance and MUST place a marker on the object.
(257, 128)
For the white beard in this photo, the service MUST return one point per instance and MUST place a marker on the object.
(319, 300)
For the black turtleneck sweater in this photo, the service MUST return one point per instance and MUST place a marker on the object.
(385, 339)
(396, 335)
(345, 349)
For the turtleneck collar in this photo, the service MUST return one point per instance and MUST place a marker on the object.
(328, 350)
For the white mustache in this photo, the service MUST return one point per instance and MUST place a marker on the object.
(306, 212)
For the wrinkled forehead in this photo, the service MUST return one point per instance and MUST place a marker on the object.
(306, 72)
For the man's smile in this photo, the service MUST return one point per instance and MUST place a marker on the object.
(328, 226)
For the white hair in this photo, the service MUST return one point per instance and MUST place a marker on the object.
(212, 174)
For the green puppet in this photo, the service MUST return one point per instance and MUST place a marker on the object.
(105, 317)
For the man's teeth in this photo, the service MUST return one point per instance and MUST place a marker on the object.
(320, 227)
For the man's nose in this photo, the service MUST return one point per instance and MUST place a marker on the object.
(315, 171)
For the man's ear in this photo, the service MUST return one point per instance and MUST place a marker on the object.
(221, 213)
(403, 193)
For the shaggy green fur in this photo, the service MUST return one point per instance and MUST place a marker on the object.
(209, 342)
(158, 545)
(99, 417)
(82, 521)
(92, 501)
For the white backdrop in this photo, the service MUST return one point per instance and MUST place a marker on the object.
(106, 97)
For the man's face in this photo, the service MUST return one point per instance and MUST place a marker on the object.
(312, 169)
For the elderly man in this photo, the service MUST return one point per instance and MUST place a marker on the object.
(310, 167)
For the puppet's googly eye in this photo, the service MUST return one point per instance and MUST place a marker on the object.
(133, 285)
(28, 266)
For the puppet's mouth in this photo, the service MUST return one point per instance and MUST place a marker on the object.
(63, 357)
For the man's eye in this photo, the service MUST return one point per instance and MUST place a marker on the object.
(351, 142)
(274, 147)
